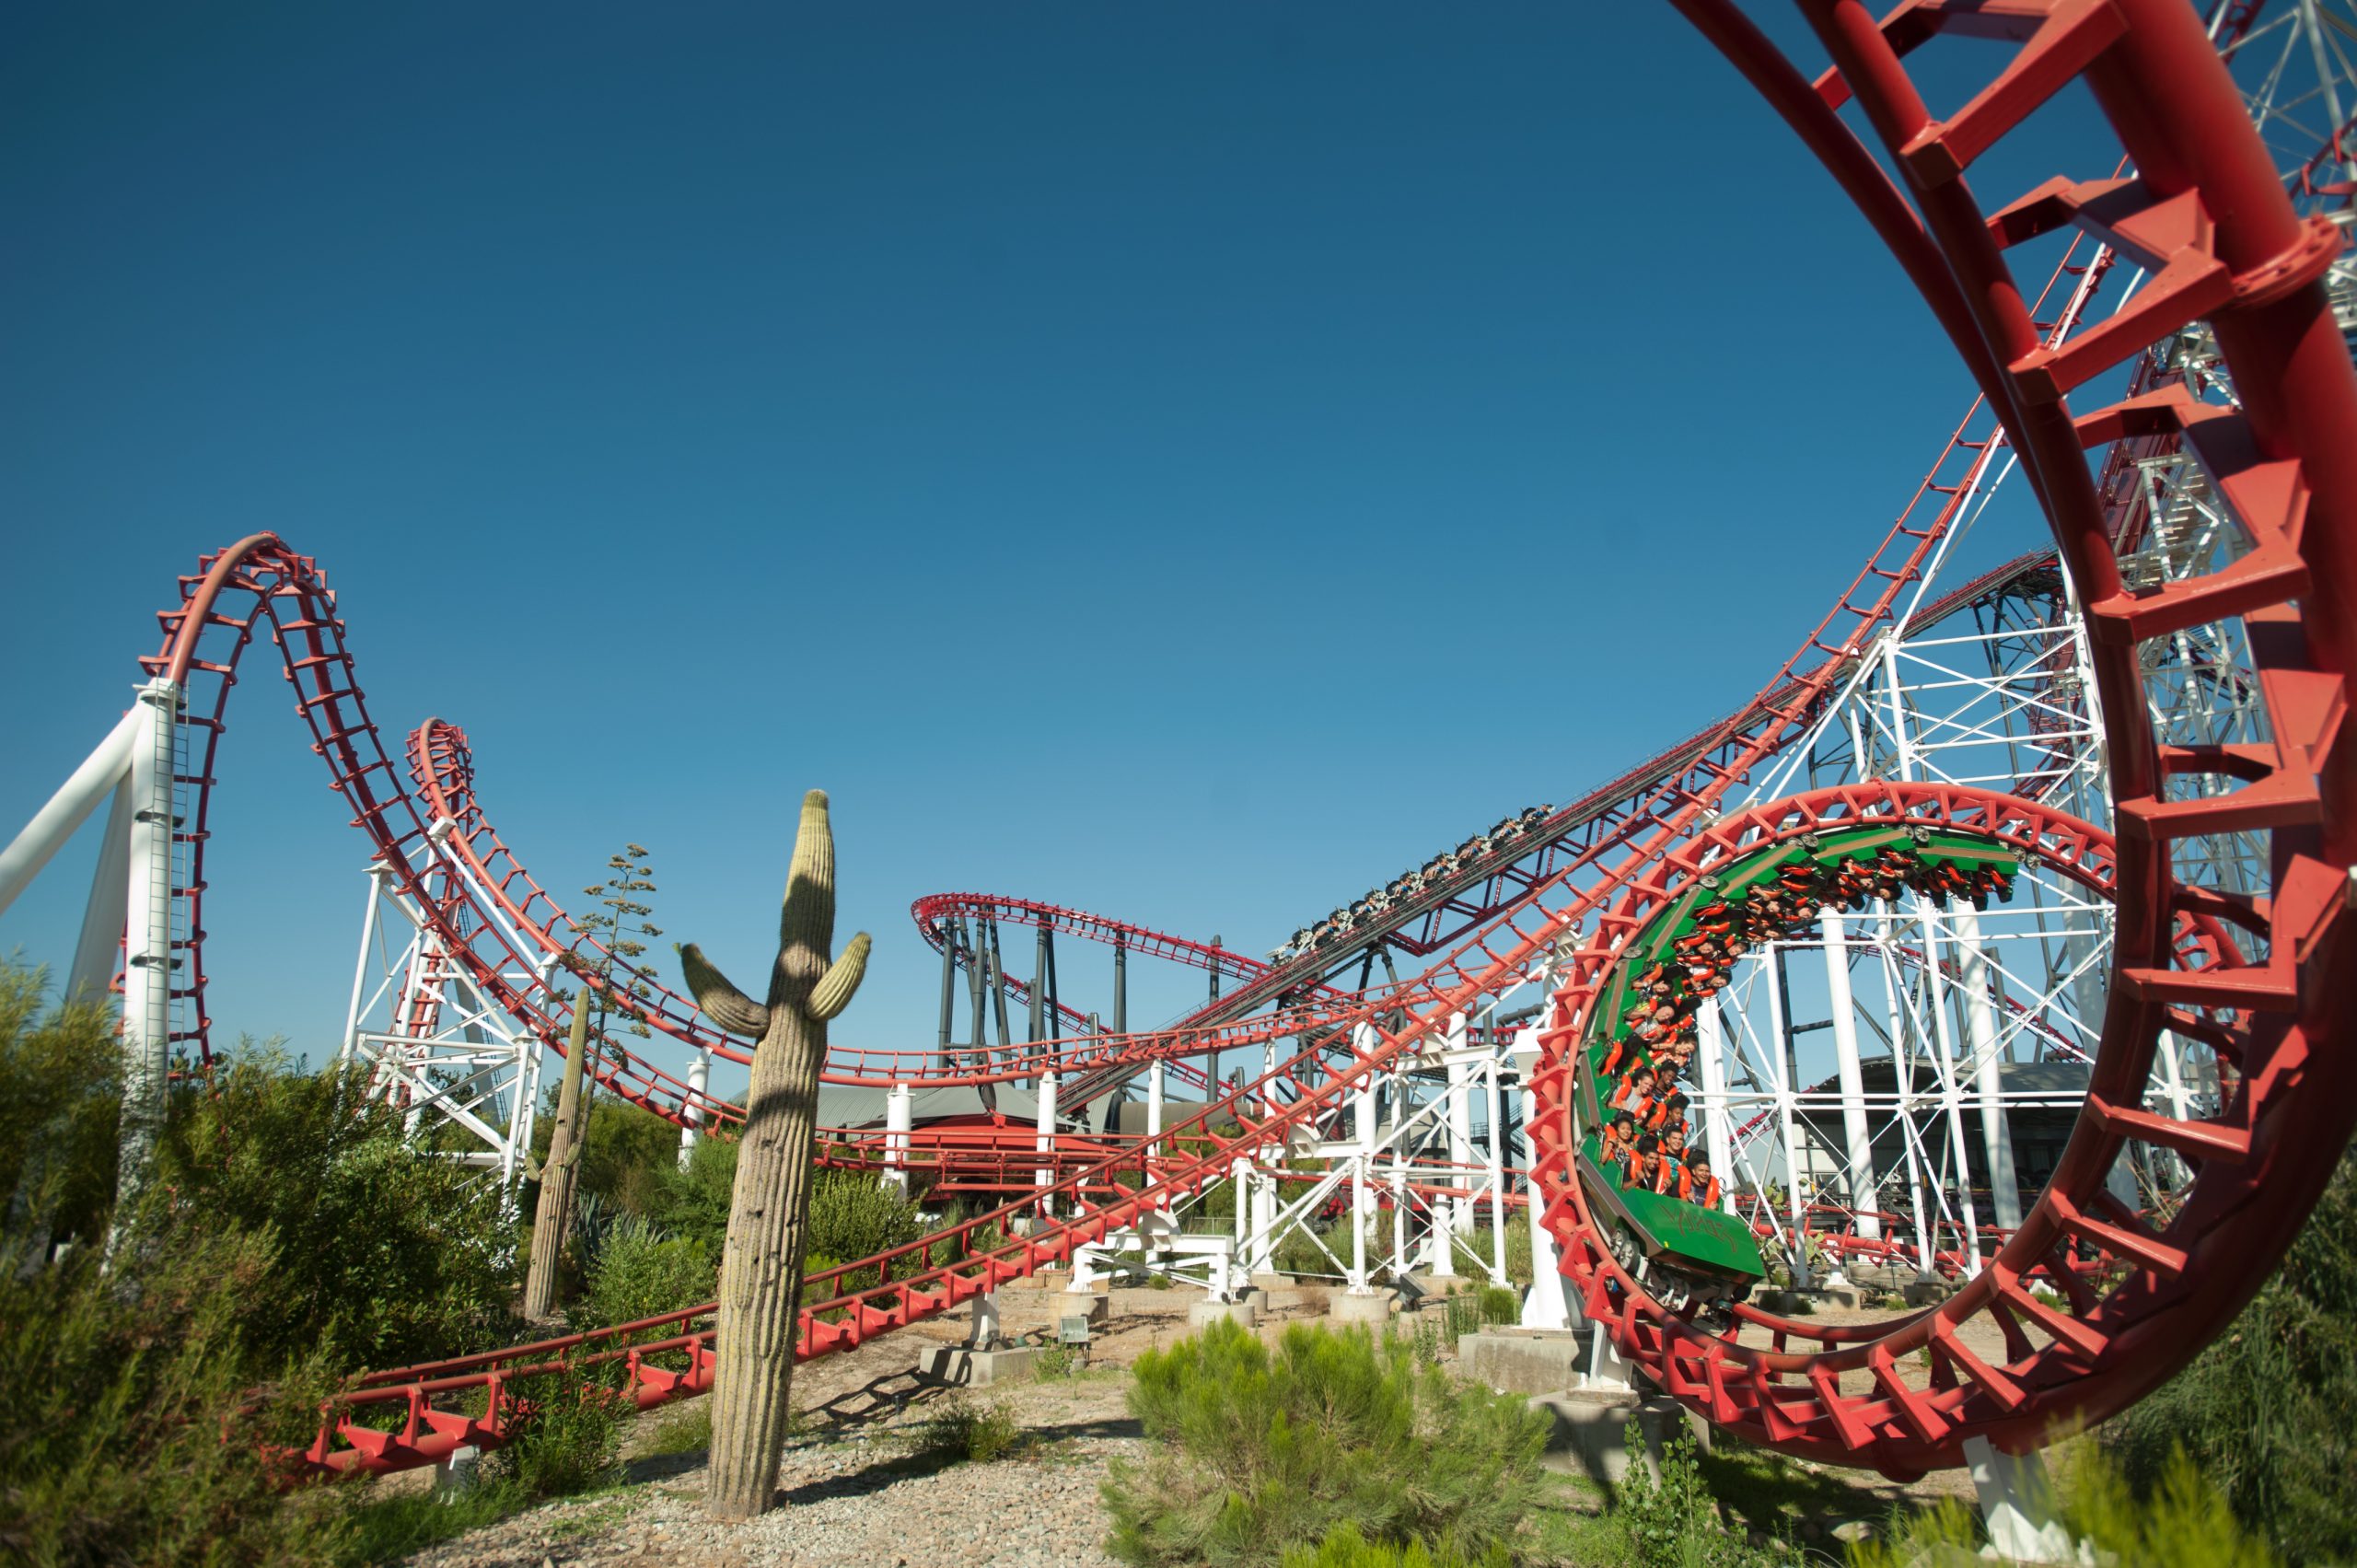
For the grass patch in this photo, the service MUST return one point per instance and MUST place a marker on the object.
(1257, 1453)
(961, 1432)
(387, 1528)
(686, 1430)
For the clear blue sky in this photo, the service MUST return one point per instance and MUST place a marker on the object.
(1184, 462)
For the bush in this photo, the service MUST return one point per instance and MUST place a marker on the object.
(1299, 1253)
(1256, 1454)
(1671, 1520)
(691, 1202)
(641, 1271)
(686, 1430)
(854, 1215)
(127, 1435)
(2182, 1522)
(570, 1436)
(959, 1432)
(2263, 1412)
(57, 1115)
(403, 1254)
(1345, 1548)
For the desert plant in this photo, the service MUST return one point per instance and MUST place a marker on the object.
(961, 1431)
(403, 1254)
(131, 1431)
(617, 929)
(59, 1068)
(553, 1218)
(1254, 1452)
(2264, 1411)
(642, 1271)
(569, 1437)
(760, 1273)
(685, 1430)
(1671, 1519)
(1345, 1548)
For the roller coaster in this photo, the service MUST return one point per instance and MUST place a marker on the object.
(2123, 844)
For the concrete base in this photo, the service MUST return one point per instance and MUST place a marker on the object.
(457, 1471)
(1522, 1361)
(1441, 1284)
(1841, 1294)
(979, 1368)
(1590, 1436)
(1344, 1308)
(1202, 1312)
(1081, 1303)
(1928, 1292)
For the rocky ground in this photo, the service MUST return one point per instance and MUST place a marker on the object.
(860, 1487)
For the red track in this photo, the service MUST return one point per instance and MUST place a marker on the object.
(2209, 220)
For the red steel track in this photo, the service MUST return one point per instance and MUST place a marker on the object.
(2209, 219)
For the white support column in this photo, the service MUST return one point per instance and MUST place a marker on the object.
(1239, 1174)
(1262, 1258)
(1461, 1125)
(1362, 1199)
(103, 769)
(2017, 1504)
(1967, 1214)
(1154, 1100)
(1495, 1171)
(700, 1083)
(360, 968)
(900, 1118)
(1856, 1136)
(99, 947)
(1981, 1029)
(1045, 1177)
(1549, 1304)
(148, 960)
(1780, 1053)
(1400, 1262)
(1718, 1133)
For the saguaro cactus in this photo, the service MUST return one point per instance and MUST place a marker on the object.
(769, 1213)
(561, 1171)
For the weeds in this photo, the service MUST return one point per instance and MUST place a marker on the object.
(1257, 1453)
(960, 1431)
(684, 1430)
(570, 1438)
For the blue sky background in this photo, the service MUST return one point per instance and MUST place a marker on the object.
(1181, 463)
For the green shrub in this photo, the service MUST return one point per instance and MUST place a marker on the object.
(640, 1272)
(127, 1435)
(2264, 1411)
(59, 1069)
(686, 1429)
(854, 1215)
(1255, 1453)
(570, 1436)
(397, 1254)
(1299, 1253)
(2182, 1522)
(692, 1201)
(1345, 1548)
(1672, 1521)
(1501, 1303)
(960, 1431)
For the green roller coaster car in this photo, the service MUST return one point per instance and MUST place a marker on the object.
(1684, 1251)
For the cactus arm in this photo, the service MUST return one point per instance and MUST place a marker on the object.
(833, 992)
(721, 1002)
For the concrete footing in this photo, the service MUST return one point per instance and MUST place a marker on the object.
(1241, 1312)
(1841, 1292)
(1080, 1303)
(1344, 1308)
(978, 1368)
(1590, 1436)
(1522, 1361)
(1928, 1290)
(457, 1471)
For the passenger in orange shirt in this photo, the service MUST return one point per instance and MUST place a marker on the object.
(1695, 1182)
